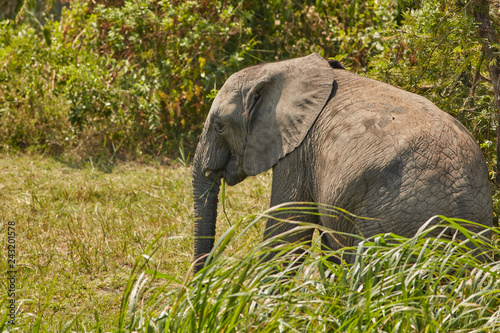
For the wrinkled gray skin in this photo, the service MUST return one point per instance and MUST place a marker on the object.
(336, 138)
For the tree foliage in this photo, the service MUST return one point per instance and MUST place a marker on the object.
(132, 77)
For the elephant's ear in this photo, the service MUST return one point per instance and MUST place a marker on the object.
(281, 106)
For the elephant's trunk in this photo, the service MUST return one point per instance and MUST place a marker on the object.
(205, 196)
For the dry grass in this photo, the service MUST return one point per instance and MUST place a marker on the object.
(79, 232)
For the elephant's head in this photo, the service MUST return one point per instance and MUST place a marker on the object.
(260, 114)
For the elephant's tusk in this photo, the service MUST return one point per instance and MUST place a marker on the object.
(207, 173)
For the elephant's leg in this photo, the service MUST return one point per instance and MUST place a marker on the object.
(290, 186)
(293, 232)
(341, 227)
(328, 243)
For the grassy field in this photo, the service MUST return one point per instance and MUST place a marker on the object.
(111, 252)
(79, 232)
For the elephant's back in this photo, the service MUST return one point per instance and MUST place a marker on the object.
(367, 107)
(394, 155)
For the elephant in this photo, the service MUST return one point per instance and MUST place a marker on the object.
(335, 138)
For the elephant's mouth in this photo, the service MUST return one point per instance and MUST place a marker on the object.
(230, 178)
(233, 172)
(230, 173)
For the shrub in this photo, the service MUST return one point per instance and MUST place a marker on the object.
(132, 77)
(32, 115)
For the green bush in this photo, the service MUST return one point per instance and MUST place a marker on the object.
(32, 115)
(133, 77)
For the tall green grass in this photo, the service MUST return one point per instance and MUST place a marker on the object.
(395, 284)
(111, 252)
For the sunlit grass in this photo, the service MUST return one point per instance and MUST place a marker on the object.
(112, 252)
(396, 284)
(79, 232)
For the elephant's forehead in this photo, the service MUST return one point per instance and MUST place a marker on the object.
(226, 95)
(227, 101)
(244, 77)
(233, 82)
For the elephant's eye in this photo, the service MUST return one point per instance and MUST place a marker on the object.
(218, 127)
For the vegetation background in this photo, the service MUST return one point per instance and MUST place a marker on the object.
(124, 79)
(89, 83)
